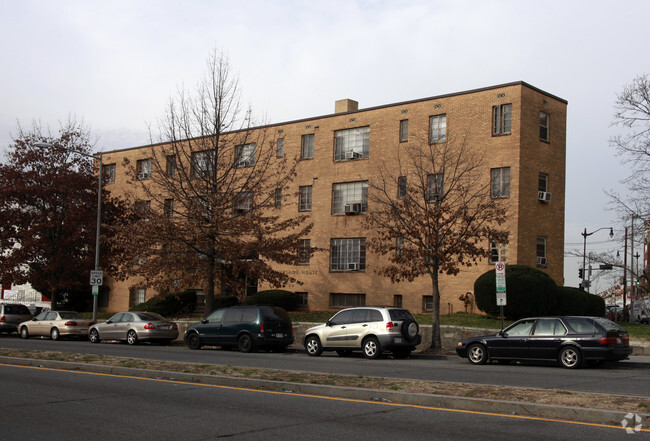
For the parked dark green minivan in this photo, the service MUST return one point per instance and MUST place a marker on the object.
(244, 327)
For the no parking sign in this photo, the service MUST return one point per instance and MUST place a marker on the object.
(500, 269)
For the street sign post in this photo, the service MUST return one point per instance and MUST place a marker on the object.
(500, 270)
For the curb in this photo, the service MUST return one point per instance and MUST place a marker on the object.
(442, 402)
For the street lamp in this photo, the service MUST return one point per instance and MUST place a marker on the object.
(99, 211)
(584, 249)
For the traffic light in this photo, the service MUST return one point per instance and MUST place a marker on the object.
(581, 273)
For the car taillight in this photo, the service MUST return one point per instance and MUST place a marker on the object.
(390, 326)
(175, 326)
(609, 340)
(3, 319)
(70, 323)
(149, 326)
(261, 328)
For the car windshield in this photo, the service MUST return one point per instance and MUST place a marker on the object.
(150, 316)
(69, 315)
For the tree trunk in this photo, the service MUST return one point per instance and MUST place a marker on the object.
(436, 340)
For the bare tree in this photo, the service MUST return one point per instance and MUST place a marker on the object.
(207, 199)
(633, 144)
(434, 214)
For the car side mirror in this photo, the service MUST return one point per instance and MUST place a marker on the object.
(328, 323)
(204, 321)
(108, 322)
(34, 319)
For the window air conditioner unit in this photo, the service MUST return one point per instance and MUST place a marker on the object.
(544, 196)
(353, 266)
(352, 155)
(541, 261)
(353, 208)
(143, 175)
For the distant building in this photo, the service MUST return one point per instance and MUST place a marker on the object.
(524, 130)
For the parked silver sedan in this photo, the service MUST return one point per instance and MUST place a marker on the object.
(55, 324)
(134, 327)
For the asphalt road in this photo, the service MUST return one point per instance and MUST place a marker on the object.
(43, 404)
(626, 378)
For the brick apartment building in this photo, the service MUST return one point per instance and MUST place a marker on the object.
(522, 128)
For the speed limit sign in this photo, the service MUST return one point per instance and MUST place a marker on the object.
(97, 278)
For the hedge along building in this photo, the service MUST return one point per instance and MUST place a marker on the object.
(522, 128)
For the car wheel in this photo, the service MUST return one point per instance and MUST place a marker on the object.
(131, 337)
(194, 341)
(477, 354)
(93, 336)
(24, 333)
(410, 329)
(401, 353)
(570, 357)
(371, 348)
(245, 343)
(55, 334)
(313, 346)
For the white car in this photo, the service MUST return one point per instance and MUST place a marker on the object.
(370, 329)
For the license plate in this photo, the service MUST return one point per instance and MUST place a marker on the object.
(398, 339)
(279, 335)
(84, 331)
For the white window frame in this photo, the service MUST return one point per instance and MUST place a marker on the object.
(305, 198)
(540, 251)
(348, 254)
(502, 119)
(349, 193)
(307, 146)
(544, 126)
(435, 186)
(437, 128)
(500, 182)
(246, 155)
(352, 143)
(108, 171)
(202, 164)
(143, 168)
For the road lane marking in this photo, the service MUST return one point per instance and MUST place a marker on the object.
(322, 397)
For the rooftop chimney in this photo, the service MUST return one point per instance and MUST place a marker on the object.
(345, 106)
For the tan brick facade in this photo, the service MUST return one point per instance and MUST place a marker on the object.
(469, 113)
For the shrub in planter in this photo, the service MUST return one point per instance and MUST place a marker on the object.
(275, 297)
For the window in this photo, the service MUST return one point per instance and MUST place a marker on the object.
(502, 119)
(501, 182)
(543, 126)
(350, 198)
(202, 164)
(170, 166)
(436, 186)
(498, 252)
(348, 254)
(521, 329)
(401, 187)
(304, 299)
(437, 128)
(304, 200)
(351, 143)
(549, 327)
(542, 182)
(138, 295)
(143, 168)
(427, 303)
(399, 243)
(307, 151)
(143, 208)
(245, 155)
(404, 130)
(169, 208)
(109, 173)
(397, 300)
(304, 252)
(279, 148)
(278, 197)
(244, 202)
(346, 301)
(541, 251)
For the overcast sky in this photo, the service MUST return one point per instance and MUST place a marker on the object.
(115, 64)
